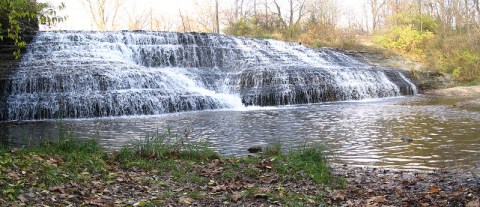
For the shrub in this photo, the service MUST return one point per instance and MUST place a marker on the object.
(406, 39)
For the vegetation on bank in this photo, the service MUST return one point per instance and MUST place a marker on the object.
(159, 171)
(444, 36)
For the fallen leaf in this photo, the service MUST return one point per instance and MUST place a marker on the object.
(264, 189)
(100, 202)
(434, 189)
(376, 199)
(186, 200)
(57, 188)
(236, 184)
(22, 198)
(213, 163)
(235, 196)
(219, 188)
(337, 196)
(474, 203)
(266, 180)
(141, 204)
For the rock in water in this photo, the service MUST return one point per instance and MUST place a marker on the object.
(255, 149)
(407, 139)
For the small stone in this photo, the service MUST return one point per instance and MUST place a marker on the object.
(407, 139)
(255, 149)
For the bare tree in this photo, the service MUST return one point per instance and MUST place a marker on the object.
(295, 13)
(139, 19)
(375, 8)
(137, 22)
(206, 15)
(185, 24)
(324, 12)
(104, 12)
(160, 23)
(477, 7)
(217, 21)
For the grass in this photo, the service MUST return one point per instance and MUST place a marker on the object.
(470, 83)
(165, 146)
(306, 160)
(173, 159)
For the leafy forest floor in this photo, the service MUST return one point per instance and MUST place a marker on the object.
(74, 172)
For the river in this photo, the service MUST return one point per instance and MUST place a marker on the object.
(361, 133)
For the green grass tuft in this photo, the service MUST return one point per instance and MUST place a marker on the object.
(273, 150)
(311, 161)
(161, 146)
(470, 83)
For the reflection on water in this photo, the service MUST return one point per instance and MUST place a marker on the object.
(359, 133)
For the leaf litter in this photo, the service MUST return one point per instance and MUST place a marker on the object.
(230, 181)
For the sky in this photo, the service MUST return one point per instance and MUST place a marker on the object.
(79, 18)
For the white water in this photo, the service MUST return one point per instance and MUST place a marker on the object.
(101, 74)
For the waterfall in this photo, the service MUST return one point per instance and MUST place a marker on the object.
(72, 74)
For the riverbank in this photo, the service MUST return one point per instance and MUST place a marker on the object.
(159, 173)
(469, 94)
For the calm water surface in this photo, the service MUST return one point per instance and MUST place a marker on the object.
(365, 133)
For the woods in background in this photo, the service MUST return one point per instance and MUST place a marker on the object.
(443, 34)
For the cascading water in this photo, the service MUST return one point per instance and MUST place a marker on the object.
(98, 74)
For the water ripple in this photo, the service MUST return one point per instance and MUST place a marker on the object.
(358, 133)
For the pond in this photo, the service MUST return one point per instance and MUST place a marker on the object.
(360, 133)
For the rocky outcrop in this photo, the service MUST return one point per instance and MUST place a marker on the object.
(424, 79)
(7, 47)
(429, 80)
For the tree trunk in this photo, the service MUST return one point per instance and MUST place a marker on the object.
(290, 20)
(216, 16)
(183, 20)
(477, 6)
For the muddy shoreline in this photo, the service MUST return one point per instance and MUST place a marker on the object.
(383, 187)
(470, 95)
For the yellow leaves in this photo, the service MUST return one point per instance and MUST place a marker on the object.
(406, 39)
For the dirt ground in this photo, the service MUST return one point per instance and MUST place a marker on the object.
(463, 91)
(471, 94)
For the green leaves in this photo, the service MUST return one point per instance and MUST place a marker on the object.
(17, 10)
